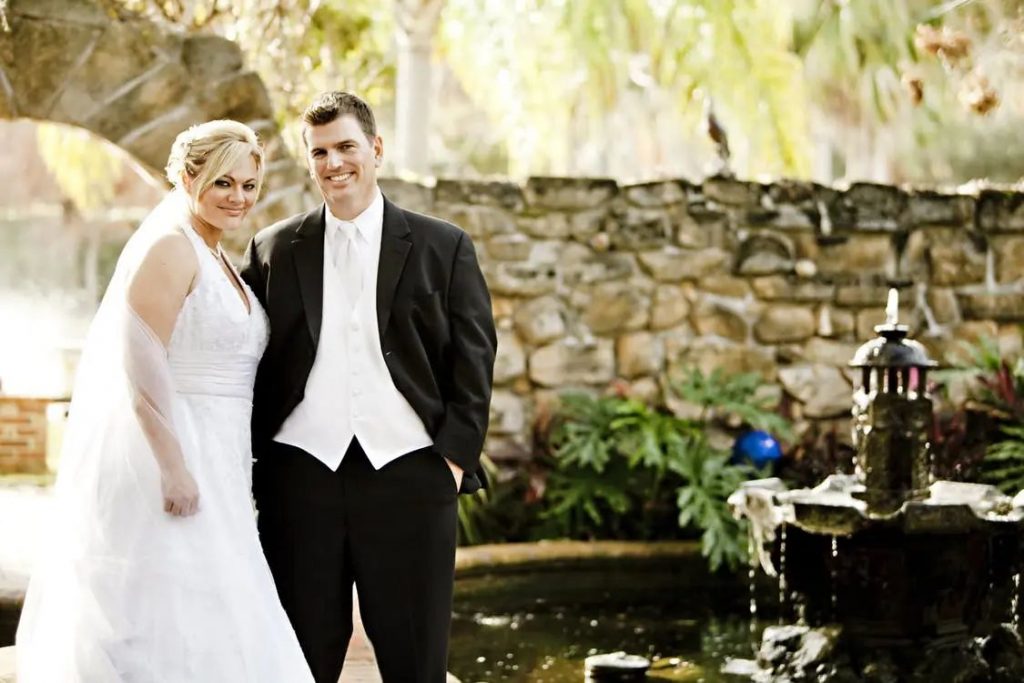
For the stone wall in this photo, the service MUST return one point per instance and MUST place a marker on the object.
(596, 283)
(23, 434)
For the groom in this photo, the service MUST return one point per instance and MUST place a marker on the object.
(370, 406)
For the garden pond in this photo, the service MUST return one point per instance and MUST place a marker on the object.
(539, 626)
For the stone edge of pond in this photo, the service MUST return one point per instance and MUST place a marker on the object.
(501, 558)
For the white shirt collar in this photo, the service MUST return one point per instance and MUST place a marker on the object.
(367, 224)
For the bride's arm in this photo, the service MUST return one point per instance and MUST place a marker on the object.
(156, 293)
(158, 287)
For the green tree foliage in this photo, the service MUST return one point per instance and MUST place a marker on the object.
(299, 47)
(806, 88)
(917, 83)
(735, 52)
(561, 75)
(853, 52)
(86, 169)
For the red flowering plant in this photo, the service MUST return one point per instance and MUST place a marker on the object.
(982, 437)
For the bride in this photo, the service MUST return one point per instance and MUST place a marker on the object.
(153, 572)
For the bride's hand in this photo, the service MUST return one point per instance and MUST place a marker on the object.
(181, 495)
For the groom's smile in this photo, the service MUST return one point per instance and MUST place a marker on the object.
(343, 161)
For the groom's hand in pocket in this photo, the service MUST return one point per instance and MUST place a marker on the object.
(456, 472)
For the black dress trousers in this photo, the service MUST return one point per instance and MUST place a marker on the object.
(390, 531)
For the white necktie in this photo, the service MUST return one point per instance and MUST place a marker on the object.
(346, 260)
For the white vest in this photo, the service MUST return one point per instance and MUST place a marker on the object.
(350, 391)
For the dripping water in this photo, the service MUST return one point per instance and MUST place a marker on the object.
(826, 220)
(833, 571)
(825, 328)
(1015, 602)
(752, 576)
(990, 270)
(782, 572)
(931, 323)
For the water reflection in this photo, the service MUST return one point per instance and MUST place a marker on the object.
(539, 628)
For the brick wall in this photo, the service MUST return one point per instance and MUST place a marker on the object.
(22, 434)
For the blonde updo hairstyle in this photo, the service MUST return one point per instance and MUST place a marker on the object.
(207, 151)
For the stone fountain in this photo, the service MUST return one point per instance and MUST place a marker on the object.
(887, 574)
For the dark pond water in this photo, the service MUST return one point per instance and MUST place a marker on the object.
(539, 627)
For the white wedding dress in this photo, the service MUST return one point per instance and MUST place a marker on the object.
(127, 593)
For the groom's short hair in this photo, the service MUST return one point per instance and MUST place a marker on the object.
(334, 104)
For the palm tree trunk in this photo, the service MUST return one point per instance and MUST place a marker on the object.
(417, 22)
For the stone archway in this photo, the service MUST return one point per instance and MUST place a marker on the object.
(137, 84)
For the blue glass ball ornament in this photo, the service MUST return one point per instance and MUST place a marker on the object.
(757, 447)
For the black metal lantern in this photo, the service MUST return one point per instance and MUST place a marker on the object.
(892, 416)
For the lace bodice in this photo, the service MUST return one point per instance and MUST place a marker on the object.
(216, 344)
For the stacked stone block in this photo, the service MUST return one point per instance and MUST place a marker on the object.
(596, 283)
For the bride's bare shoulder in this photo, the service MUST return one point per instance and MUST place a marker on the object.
(167, 256)
(171, 247)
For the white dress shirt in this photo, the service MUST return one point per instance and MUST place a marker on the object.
(350, 392)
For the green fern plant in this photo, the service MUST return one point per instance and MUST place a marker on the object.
(996, 390)
(472, 510)
(585, 502)
(650, 438)
(722, 395)
(1003, 465)
(499, 513)
(709, 479)
(619, 465)
(585, 436)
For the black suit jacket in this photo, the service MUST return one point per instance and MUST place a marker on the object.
(433, 313)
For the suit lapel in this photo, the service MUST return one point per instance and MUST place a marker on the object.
(394, 249)
(308, 252)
